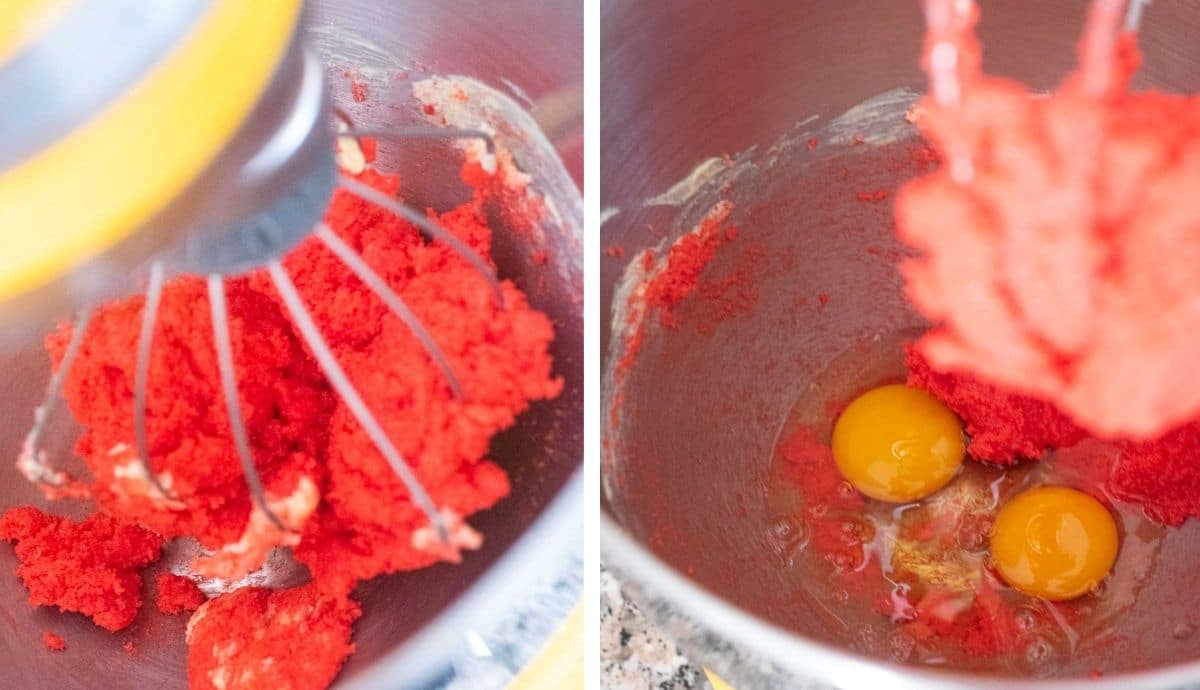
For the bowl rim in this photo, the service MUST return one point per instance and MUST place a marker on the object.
(545, 544)
(820, 661)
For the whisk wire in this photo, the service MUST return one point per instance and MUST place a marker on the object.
(41, 415)
(424, 133)
(141, 372)
(394, 302)
(1133, 15)
(237, 427)
(341, 382)
(1100, 45)
(435, 230)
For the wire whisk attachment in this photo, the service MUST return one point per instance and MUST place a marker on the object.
(276, 520)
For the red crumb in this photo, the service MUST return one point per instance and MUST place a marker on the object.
(429, 109)
(685, 261)
(178, 594)
(53, 642)
(859, 139)
(259, 639)
(90, 567)
(359, 91)
(1003, 427)
(823, 298)
(812, 143)
(877, 195)
(647, 259)
(726, 297)
(129, 647)
(540, 257)
(614, 250)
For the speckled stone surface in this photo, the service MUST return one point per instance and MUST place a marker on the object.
(634, 655)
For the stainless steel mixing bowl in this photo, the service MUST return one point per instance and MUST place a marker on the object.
(414, 624)
(690, 427)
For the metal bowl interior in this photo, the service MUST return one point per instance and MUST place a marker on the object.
(413, 623)
(691, 426)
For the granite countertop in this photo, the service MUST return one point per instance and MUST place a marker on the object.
(634, 655)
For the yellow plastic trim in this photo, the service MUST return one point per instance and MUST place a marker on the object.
(23, 21)
(99, 183)
(716, 681)
(559, 666)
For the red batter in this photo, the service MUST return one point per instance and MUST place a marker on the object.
(1003, 427)
(1058, 242)
(350, 516)
(178, 594)
(53, 642)
(1163, 475)
(91, 567)
(686, 259)
(258, 639)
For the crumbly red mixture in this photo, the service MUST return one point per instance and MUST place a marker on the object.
(353, 516)
(285, 400)
(1071, 215)
(177, 594)
(259, 639)
(296, 425)
(1003, 427)
(665, 289)
(1163, 475)
(91, 567)
(686, 259)
(54, 642)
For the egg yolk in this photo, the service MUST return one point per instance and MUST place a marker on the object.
(1053, 542)
(897, 444)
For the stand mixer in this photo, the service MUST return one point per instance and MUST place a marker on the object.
(197, 137)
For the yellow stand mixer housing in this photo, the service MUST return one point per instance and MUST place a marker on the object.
(124, 119)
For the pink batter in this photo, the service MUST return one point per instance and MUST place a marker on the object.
(1061, 241)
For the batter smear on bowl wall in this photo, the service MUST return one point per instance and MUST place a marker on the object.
(333, 498)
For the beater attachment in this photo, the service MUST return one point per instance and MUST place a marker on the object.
(951, 56)
(447, 534)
